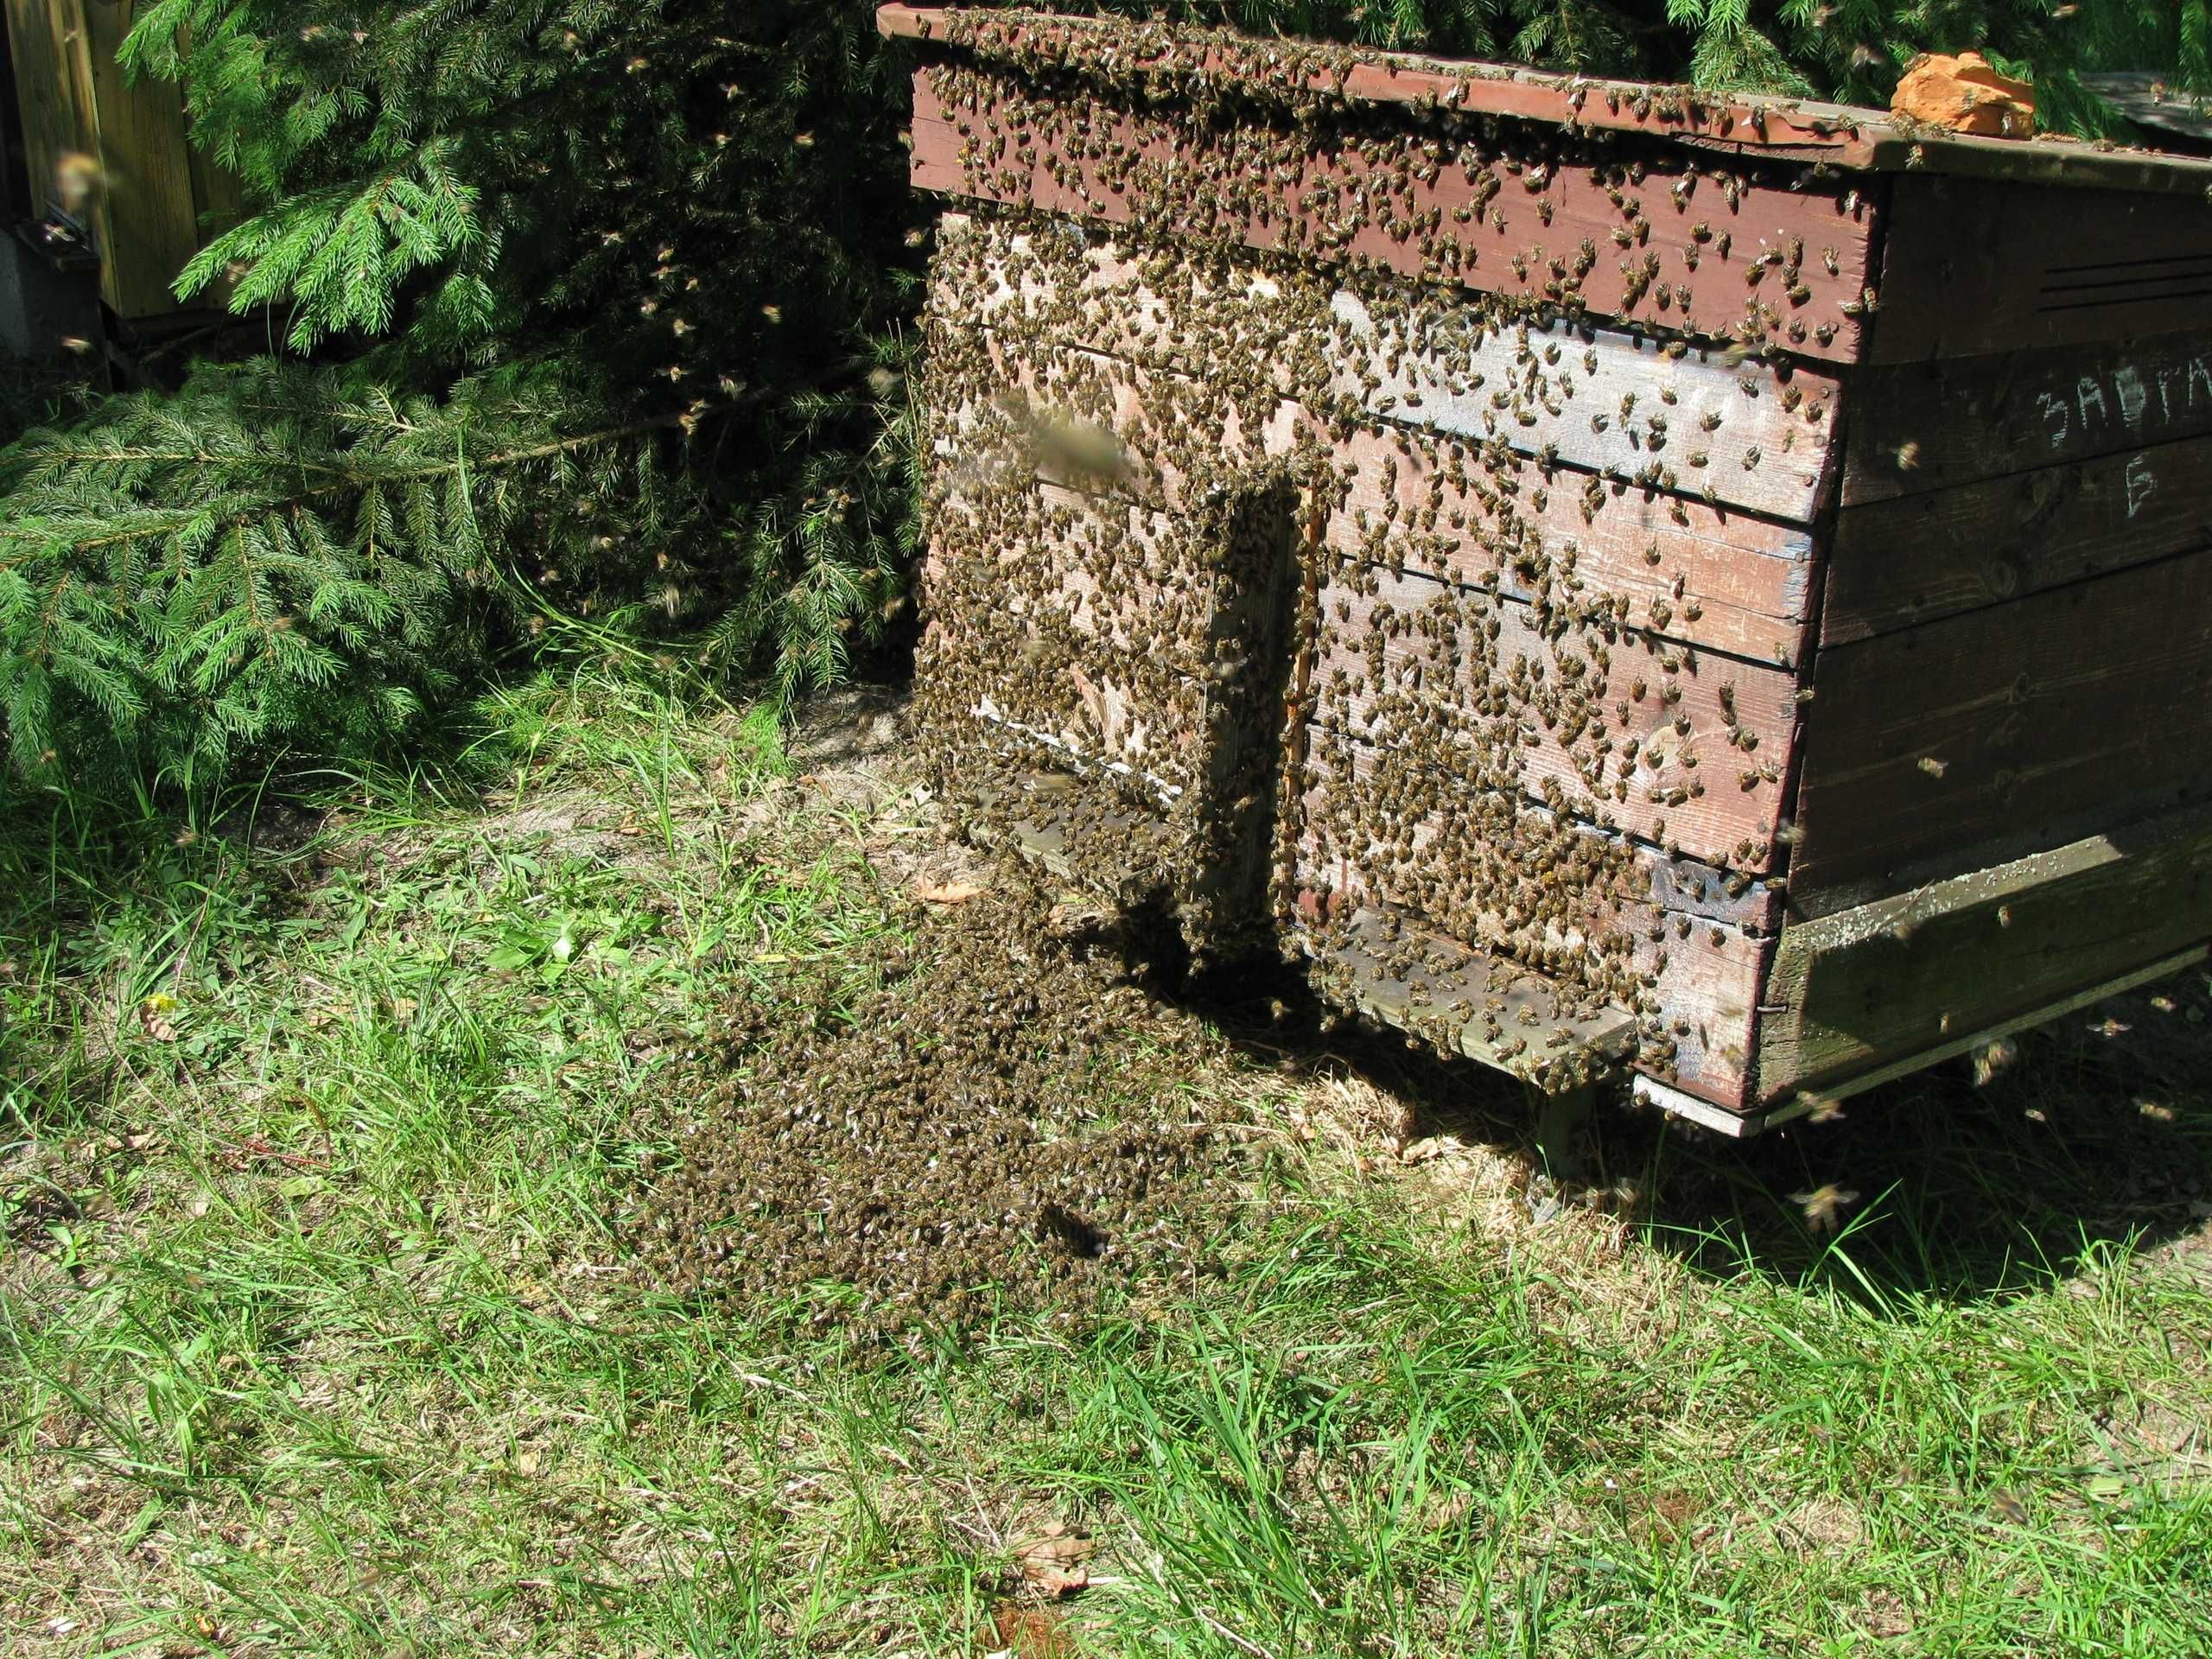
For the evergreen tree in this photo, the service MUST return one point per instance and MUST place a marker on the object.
(608, 295)
(610, 298)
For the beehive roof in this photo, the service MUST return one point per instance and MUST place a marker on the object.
(1199, 61)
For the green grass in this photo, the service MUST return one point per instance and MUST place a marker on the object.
(314, 1338)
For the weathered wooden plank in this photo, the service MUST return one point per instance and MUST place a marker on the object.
(1091, 704)
(1295, 73)
(1022, 646)
(1123, 581)
(1468, 1002)
(1579, 712)
(1371, 834)
(1688, 583)
(1807, 1100)
(1375, 807)
(2081, 699)
(1033, 818)
(1913, 558)
(1176, 436)
(1595, 401)
(141, 209)
(1903, 975)
(1613, 403)
(1975, 267)
(1691, 244)
(1125, 576)
(1716, 789)
(2149, 99)
(1721, 581)
(1936, 425)
(2050, 160)
(150, 221)
(219, 202)
(1110, 632)
(53, 88)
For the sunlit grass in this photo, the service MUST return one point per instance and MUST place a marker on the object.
(316, 1335)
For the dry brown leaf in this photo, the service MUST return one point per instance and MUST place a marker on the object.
(154, 1018)
(1071, 916)
(948, 892)
(1032, 1632)
(1053, 1563)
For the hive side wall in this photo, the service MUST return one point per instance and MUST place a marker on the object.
(1559, 571)
(1448, 543)
(2014, 665)
(2012, 638)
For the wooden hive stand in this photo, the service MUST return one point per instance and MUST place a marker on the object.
(1718, 591)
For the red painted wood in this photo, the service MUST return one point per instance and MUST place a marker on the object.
(1439, 685)
(1639, 258)
(1394, 78)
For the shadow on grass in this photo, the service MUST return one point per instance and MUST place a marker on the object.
(123, 894)
(2099, 1134)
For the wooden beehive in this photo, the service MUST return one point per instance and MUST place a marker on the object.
(153, 201)
(1618, 577)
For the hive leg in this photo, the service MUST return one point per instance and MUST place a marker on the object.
(1562, 1125)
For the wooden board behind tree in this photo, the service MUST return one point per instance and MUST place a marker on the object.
(153, 203)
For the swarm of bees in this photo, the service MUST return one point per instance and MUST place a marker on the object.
(1286, 488)
(980, 1133)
